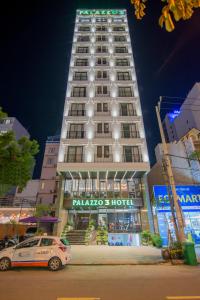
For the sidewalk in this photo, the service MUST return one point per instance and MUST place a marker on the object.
(115, 255)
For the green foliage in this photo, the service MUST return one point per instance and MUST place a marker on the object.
(39, 231)
(16, 159)
(156, 240)
(149, 238)
(195, 155)
(146, 237)
(42, 210)
(3, 115)
(102, 235)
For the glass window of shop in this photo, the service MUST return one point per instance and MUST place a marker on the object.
(124, 222)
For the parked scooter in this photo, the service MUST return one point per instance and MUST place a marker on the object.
(6, 243)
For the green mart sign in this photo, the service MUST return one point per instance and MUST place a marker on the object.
(101, 12)
(102, 202)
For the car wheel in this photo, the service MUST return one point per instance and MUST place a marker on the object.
(55, 264)
(5, 264)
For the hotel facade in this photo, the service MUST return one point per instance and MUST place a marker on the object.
(103, 156)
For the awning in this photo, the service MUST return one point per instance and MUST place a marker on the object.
(46, 219)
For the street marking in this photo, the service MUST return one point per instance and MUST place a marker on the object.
(182, 297)
(78, 299)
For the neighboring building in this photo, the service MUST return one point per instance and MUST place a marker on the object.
(103, 155)
(47, 192)
(179, 122)
(186, 172)
(28, 196)
(9, 123)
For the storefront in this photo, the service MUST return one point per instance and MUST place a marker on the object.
(118, 216)
(189, 200)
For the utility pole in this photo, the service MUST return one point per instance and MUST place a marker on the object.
(180, 223)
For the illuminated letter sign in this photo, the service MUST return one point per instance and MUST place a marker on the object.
(101, 12)
(102, 202)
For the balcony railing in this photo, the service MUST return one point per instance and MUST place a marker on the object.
(128, 113)
(77, 134)
(78, 94)
(76, 112)
(103, 134)
(127, 134)
(4, 202)
(79, 78)
(102, 94)
(79, 159)
(102, 113)
(132, 158)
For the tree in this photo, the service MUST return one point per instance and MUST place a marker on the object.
(173, 10)
(17, 159)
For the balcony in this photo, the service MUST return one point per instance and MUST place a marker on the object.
(79, 159)
(128, 113)
(5, 202)
(80, 78)
(103, 135)
(127, 134)
(102, 113)
(77, 113)
(132, 158)
(76, 134)
(78, 95)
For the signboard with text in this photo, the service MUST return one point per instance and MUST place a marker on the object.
(101, 12)
(188, 197)
(102, 203)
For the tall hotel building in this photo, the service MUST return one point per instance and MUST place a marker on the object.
(103, 154)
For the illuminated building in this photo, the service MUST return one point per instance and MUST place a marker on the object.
(103, 155)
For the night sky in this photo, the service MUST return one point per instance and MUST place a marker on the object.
(36, 40)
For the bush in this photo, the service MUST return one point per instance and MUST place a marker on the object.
(156, 240)
(146, 237)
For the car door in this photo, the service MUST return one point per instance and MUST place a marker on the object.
(45, 250)
(24, 253)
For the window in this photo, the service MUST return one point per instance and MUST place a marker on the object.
(118, 20)
(79, 92)
(75, 154)
(101, 75)
(47, 242)
(106, 151)
(120, 38)
(81, 62)
(129, 130)
(121, 50)
(101, 90)
(82, 50)
(101, 28)
(83, 38)
(101, 38)
(102, 107)
(106, 127)
(84, 28)
(118, 28)
(101, 49)
(84, 20)
(77, 109)
(132, 154)
(125, 92)
(122, 62)
(126, 109)
(101, 20)
(103, 151)
(123, 76)
(99, 128)
(51, 150)
(50, 161)
(80, 76)
(29, 244)
(101, 61)
(76, 131)
(99, 151)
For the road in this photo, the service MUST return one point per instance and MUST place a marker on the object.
(107, 282)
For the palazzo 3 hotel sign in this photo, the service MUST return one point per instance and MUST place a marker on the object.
(102, 202)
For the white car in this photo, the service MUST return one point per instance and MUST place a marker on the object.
(39, 251)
